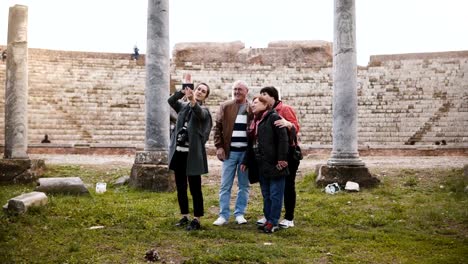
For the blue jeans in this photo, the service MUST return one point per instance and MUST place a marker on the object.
(230, 166)
(272, 192)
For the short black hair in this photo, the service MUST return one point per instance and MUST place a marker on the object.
(271, 91)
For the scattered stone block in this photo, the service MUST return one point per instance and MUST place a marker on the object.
(20, 204)
(352, 186)
(21, 170)
(122, 181)
(152, 177)
(65, 185)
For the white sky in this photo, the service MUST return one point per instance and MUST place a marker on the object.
(383, 26)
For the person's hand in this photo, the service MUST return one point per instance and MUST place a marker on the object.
(189, 95)
(283, 123)
(243, 167)
(220, 154)
(187, 78)
(281, 164)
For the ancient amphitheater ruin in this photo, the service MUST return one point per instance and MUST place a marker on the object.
(89, 101)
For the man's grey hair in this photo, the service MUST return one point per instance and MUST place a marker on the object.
(241, 83)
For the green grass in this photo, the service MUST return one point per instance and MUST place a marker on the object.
(414, 216)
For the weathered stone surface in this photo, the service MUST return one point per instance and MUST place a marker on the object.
(16, 89)
(157, 77)
(341, 174)
(278, 53)
(405, 96)
(21, 170)
(312, 52)
(152, 177)
(345, 102)
(21, 203)
(64, 185)
(151, 157)
(122, 181)
(206, 52)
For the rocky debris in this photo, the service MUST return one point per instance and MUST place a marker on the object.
(352, 186)
(21, 170)
(20, 204)
(122, 181)
(152, 255)
(65, 185)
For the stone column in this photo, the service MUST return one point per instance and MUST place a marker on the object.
(16, 165)
(150, 168)
(345, 151)
(16, 90)
(344, 163)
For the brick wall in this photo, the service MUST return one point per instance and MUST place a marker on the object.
(82, 98)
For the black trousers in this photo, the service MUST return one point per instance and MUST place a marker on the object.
(290, 190)
(194, 182)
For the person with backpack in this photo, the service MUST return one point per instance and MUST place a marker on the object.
(288, 120)
(187, 152)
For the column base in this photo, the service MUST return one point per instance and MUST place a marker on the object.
(150, 172)
(327, 174)
(157, 178)
(21, 170)
(345, 159)
(345, 162)
(151, 157)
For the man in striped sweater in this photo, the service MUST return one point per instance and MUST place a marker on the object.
(230, 139)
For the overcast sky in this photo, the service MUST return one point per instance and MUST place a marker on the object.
(383, 26)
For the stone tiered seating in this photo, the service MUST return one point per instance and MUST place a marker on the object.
(93, 98)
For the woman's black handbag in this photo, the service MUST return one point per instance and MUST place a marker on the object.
(295, 151)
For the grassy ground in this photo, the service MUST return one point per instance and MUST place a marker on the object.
(414, 216)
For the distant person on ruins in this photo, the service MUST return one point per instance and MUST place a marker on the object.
(187, 152)
(288, 120)
(136, 53)
(4, 55)
(46, 139)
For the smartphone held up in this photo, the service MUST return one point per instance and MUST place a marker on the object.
(187, 81)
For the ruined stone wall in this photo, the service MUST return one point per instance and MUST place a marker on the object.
(83, 98)
(409, 99)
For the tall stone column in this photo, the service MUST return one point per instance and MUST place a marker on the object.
(344, 164)
(150, 169)
(16, 165)
(16, 90)
(345, 150)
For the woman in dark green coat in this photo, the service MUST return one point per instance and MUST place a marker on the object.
(187, 153)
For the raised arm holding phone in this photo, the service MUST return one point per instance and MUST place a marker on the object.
(187, 152)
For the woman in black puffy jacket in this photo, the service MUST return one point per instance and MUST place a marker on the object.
(267, 156)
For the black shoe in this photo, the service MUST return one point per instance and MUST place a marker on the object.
(194, 225)
(183, 221)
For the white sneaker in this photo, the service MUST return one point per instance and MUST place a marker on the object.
(220, 221)
(286, 223)
(261, 221)
(241, 220)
